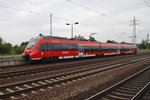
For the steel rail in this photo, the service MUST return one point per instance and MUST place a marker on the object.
(42, 69)
(16, 65)
(36, 84)
(115, 86)
(141, 92)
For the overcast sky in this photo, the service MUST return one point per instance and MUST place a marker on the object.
(20, 20)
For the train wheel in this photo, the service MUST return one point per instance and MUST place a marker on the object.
(44, 60)
(27, 59)
(54, 59)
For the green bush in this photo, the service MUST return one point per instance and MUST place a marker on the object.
(7, 48)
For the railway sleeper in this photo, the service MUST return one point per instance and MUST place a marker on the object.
(112, 97)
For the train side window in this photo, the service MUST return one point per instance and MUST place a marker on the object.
(65, 46)
(94, 48)
(51, 46)
(44, 47)
(59, 46)
(73, 46)
(76, 46)
(102, 48)
(86, 49)
(56, 46)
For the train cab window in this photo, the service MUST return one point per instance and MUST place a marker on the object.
(33, 42)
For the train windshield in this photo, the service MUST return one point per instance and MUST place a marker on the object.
(32, 42)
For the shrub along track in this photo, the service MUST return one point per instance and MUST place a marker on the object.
(31, 86)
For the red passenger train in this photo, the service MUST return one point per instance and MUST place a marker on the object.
(50, 48)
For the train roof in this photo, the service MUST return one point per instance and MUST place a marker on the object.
(79, 41)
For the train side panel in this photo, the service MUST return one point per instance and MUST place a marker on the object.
(55, 48)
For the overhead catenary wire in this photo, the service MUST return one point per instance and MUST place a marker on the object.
(45, 8)
(100, 13)
(28, 11)
(47, 15)
(39, 14)
(146, 3)
(42, 14)
(32, 12)
(94, 5)
(36, 4)
(48, 9)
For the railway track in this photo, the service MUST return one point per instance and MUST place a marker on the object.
(135, 87)
(145, 93)
(17, 89)
(34, 70)
(12, 67)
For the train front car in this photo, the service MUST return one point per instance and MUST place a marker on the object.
(31, 51)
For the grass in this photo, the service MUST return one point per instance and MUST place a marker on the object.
(143, 50)
(8, 56)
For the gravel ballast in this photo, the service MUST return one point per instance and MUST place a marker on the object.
(82, 89)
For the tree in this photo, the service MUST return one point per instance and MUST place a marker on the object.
(144, 45)
(123, 42)
(1, 41)
(17, 49)
(111, 41)
(92, 38)
(79, 37)
(5, 48)
(24, 44)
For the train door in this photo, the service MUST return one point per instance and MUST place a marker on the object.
(81, 50)
(118, 48)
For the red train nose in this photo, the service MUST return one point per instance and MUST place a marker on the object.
(26, 52)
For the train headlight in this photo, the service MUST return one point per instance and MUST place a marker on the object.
(42, 53)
